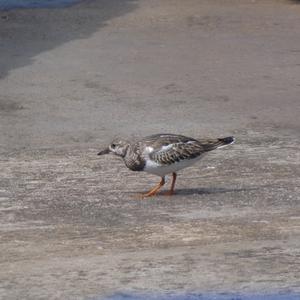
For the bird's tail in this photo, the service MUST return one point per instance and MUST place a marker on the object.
(222, 142)
(212, 144)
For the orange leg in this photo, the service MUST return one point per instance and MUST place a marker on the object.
(155, 189)
(171, 191)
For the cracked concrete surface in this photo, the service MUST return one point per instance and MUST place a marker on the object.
(70, 224)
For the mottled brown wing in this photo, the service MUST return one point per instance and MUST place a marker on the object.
(170, 148)
(172, 153)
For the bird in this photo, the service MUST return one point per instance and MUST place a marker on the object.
(163, 154)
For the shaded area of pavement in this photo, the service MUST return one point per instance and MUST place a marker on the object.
(70, 223)
(27, 33)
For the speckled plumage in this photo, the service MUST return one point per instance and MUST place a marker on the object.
(162, 154)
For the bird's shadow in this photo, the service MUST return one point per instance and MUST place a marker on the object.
(206, 191)
(209, 191)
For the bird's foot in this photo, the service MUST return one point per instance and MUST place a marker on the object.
(154, 191)
(169, 193)
(142, 196)
(146, 195)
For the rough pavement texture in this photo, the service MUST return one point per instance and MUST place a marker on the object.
(72, 79)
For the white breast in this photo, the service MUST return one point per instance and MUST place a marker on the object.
(162, 170)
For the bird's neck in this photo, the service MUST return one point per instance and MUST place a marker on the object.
(128, 150)
(133, 160)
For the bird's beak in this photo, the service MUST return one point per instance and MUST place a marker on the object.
(105, 151)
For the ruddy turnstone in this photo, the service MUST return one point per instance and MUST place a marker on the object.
(162, 154)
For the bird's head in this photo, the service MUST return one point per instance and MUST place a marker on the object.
(117, 147)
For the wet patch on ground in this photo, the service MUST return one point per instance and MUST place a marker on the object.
(13, 4)
(193, 296)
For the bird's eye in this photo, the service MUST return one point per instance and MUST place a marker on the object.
(113, 146)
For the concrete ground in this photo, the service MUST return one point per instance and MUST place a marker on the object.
(72, 79)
